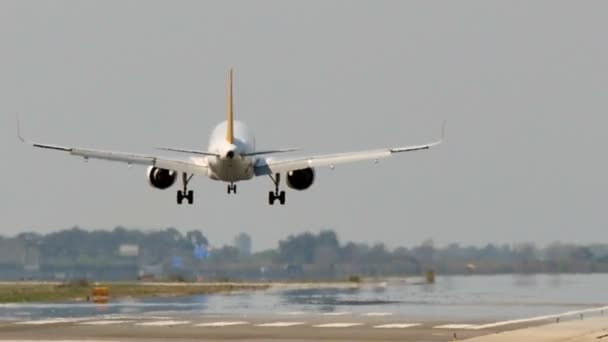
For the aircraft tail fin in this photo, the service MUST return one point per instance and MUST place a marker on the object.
(229, 112)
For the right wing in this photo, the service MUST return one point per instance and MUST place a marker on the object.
(193, 166)
(270, 166)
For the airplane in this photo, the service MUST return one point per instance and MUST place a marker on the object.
(232, 157)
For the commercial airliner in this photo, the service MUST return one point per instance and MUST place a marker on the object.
(231, 157)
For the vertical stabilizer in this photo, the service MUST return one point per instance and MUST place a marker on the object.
(229, 112)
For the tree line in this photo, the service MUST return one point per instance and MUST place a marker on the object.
(307, 254)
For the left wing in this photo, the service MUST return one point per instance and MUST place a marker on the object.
(270, 166)
(189, 167)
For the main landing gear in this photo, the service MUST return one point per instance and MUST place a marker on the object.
(276, 194)
(231, 188)
(185, 194)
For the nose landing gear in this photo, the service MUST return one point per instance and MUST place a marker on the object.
(231, 188)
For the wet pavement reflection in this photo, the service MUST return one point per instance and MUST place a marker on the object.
(453, 297)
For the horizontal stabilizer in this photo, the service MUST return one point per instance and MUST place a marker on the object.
(203, 153)
(285, 150)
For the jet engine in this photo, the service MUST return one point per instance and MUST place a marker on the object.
(161, 178)
(301, 179)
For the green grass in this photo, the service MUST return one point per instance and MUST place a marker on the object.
(17, 293)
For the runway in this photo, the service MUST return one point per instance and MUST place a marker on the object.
(372, 326)
(458, 307)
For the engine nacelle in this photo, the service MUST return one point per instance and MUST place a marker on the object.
(301, 179)
(161, 178)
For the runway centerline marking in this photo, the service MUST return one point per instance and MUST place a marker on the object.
(339, 313)
(162, 323)
(397, 325)
(294, 313)
(105, 322)
(455, 326)
(337, 325)
(377, 314)
(221, 324)
(280, 324)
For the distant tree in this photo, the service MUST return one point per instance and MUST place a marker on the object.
(378, 254)
(425, 253)
(196, 237)
(298, 249)
(582, 254)
(225, 254)
(328, 238)
(354, 253)
(265, 257)
(67, 244)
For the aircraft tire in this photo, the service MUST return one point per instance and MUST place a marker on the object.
(190, 196)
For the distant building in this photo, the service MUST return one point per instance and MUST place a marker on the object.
(12, 251)
(127, 250)
(242, 242)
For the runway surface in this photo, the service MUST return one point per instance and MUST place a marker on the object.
(459, 308)
(289, 326)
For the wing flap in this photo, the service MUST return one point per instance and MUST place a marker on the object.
(192, 166)
(113, 156)
(271, 166)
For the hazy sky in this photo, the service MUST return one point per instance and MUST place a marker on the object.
(522, 84)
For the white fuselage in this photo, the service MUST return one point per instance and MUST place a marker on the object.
(233, 164)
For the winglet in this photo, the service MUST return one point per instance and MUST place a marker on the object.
(421, 147)
(229, 112)
(19, 134)
(442, 138)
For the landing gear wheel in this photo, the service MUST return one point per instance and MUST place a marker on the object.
(231, 188)
(187, 194)
(190, 197)
(276, 194)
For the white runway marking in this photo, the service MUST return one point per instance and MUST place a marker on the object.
(294, 313)
(105, 322)
(339, 313)
(280, 324)
(397, 326)
(538, 318)
(52, 321)
(521, 320)
(221, 324)
(337, 325)
(162, 323)
(135, 317)
(455, 326)
(377, 314)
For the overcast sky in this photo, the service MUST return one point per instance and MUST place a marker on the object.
(522, 84)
